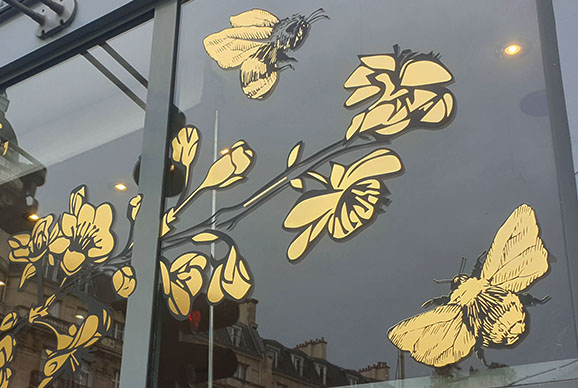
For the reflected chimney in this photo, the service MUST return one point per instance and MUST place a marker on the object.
(316, 348)
(379, 371)
(248, 313)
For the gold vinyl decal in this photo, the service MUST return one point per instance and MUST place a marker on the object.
(486, 309)
(257, 42)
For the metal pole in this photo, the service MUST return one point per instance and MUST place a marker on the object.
(213, 209)
(38, 18)
(58, 8)
(140, 358)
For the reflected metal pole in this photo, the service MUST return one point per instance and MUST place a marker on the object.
(213, 226)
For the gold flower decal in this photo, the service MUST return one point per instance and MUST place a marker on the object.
(347, 204)
(124, 281)
(182, 280)
(72, 347)
(7, 345)
(232, 277)
(31, 247)
(230, 167)
(85, 233)
(410, 92)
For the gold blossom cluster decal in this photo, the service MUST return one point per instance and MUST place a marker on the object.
(78, 245)
(405, 90)
(409, 90)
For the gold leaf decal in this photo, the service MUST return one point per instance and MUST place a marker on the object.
(5, 146)
(408, 89)
(231, 278)
(346, 205)
(185, 148)
(182, 280)
(251, 44)
(486, 308)
(9, 321)
(168, 218)
(205, 237)
(294, 154)
(134, 207)
(124, 281)
(230, 167)
(29, 272)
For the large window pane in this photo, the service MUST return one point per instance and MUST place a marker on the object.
(426, 139)
(71, 138)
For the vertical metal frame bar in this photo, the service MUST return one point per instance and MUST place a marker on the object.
(561, 143)
(140, 356)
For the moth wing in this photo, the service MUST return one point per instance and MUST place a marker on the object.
(232, 46)
(517, 256)
(438, 337)
(254, 17)
(259, 72)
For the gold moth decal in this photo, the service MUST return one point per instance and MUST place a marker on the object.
(486, 309)
(257, 41)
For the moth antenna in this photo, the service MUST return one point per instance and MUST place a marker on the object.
(314, 13)
(318, 17)
(442, 281)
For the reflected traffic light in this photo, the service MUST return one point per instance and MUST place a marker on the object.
(185, 345)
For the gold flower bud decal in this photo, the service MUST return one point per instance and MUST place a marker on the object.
(184, 147)
(124, 281)
(231, 278)
(348, 203)
(134, 207)
(9, 321)
(408, 89)
(29, 248)
(182, 280)
(230, 167)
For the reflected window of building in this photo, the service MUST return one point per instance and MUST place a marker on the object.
(297, 363)
(54, 310)
(83, 379)
(116, 379)
(236, 334)
(322, 372)
(352, 380)
(117, 330)
(273, 354)
(242, 372)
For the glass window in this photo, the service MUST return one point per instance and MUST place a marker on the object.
(372, 186)
(68, 136)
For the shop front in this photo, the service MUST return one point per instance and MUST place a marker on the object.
(287, 194)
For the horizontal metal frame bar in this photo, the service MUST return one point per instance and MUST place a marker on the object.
(94, 33)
